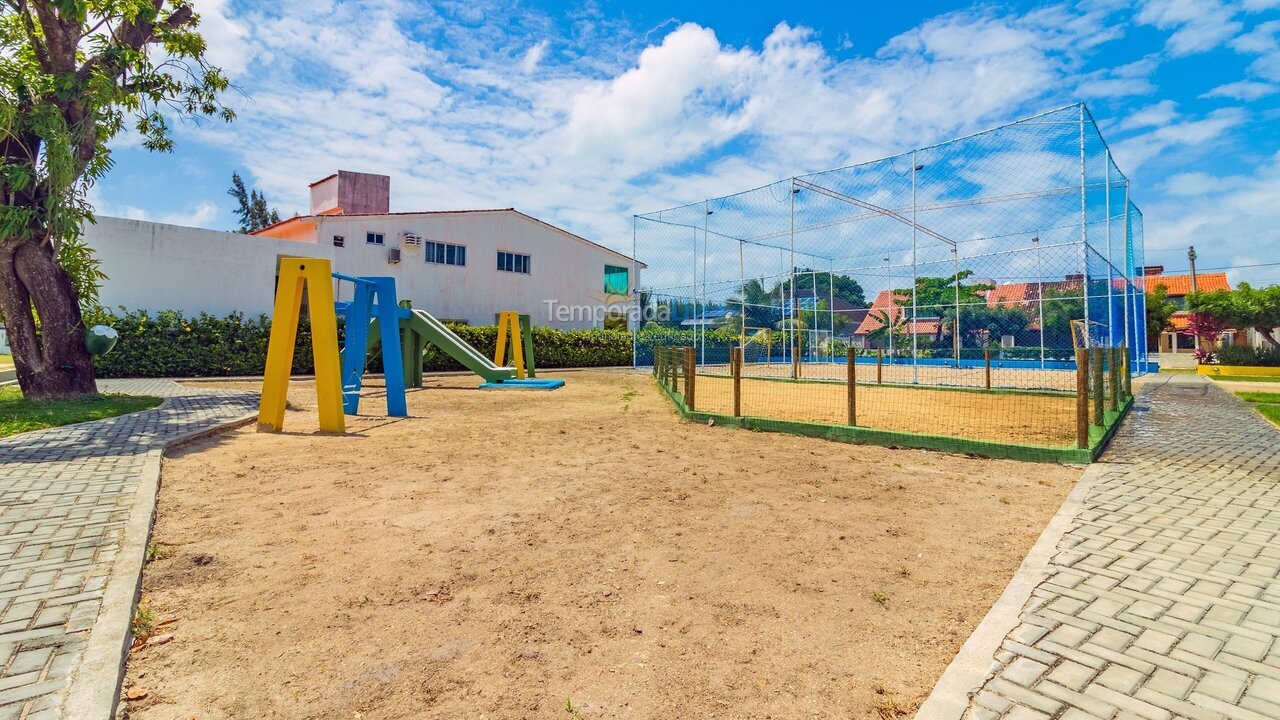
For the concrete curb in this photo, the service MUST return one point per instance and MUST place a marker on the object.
(95, 687)
(975, 662)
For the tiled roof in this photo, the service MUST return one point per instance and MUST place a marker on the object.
(1179, 285)
(882, 304)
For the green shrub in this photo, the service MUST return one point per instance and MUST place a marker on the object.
(1246, 355)
(169, 344)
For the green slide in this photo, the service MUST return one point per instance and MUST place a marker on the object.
(447, 340)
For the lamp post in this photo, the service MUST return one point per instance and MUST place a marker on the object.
(1191, 256)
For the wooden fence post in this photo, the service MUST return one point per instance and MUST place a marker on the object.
(1082, 398)
(852, 380)
(690, 376)
(1114, 376)
(986, 361)
(879, 366)
(1095, 375)
(1127, 374)
(735, 362)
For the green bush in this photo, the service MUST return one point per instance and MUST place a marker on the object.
(551, 348)
(168, 344)
(1246, 355)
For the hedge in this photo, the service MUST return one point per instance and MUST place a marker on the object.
(169, 344)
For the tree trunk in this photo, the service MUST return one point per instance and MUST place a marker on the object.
(52, 363)
(1266, 334)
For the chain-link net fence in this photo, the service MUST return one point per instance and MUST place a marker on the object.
(951, 274)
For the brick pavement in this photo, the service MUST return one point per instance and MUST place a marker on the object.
(1163, 599)
(65, 498)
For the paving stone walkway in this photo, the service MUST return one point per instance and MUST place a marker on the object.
(1163, 599)
(65, 498)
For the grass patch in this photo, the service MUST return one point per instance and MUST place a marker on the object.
(1266, 403)
(1247, 378)
(6, 359)
(18, 415)
(1270, 412)
(1259, 397)
(1177, 371)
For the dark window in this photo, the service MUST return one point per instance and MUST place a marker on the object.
(513, 262)
(373, 239)
(445, 253)
(339, 241)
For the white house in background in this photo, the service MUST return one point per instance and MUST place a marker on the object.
(458, 265)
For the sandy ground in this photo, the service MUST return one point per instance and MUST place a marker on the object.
(581, 553)
(1003, 417)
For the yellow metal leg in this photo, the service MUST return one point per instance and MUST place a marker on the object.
(517, 344)
(314, 277)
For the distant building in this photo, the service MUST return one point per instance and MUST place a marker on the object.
(1179, 339)
(464, 265)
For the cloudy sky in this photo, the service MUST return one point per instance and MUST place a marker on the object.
(586, 113)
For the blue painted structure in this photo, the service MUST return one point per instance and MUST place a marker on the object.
(375, 297)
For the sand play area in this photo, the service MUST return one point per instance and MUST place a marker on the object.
(582, 553)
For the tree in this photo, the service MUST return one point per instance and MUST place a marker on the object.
(1160, 310)
(819, 284)
(1244, 307)
(253, 211)
(936, 297)
(72, 73)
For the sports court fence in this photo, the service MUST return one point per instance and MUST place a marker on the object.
(1069, 427)
(957, 283)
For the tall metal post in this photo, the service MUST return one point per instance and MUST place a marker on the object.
(742, 302)
(831, 307)
(635, 276)
(915, 326)
(706, 219)
(795, 330)
(1191, 257)
(1084, 231)
(1111, 278)
(889, 313)
(955, 261)
(1040, 295)
(1129, 285)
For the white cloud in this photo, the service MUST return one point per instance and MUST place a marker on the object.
(534, 56)
(201, 214)
(1135, 151)
(611, 123)
(1198, 25)
(1227, 228)
(1261, 39)
(1196, 184)
(227, 38)
(1247, 90)
(1158, 115)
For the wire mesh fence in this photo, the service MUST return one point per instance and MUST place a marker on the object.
(946, 280)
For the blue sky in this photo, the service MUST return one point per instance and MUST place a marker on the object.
(584, 114)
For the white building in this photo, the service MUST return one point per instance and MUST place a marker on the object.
(458, 265)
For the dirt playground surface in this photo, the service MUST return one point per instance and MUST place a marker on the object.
(581, 553)
(1027, 418)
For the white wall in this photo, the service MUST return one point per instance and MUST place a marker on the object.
(157, 267)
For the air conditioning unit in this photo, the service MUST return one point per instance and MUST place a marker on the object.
(393, 256)
(412, 239)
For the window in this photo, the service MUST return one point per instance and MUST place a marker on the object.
(615, 280)
(374, 239)
(513, 262)
(339, 241)
(445, 253)
(615, 320)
